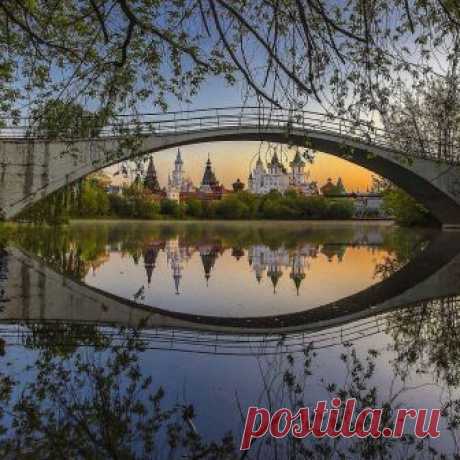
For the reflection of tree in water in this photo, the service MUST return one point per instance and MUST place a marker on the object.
(61, 338)
(400, 251)
(426, 341)
(70, 251)
(3, 276)
(100, 403)
(426, 337)
(89, 241)
(97, 406)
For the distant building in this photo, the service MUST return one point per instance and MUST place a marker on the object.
(177, 183)
(274, 176)
(329, 188)
(369, 204)
(365, 204)
(209, 183)
(210, 188)
(151, 179)
(114, 189)
(238, 186)
(298, 179)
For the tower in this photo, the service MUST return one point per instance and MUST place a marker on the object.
(177, 173)
(256, 178)
(151, 179)
(238, 186)
(297, 167)
(209, 181)
(176, 179)
(275, 166)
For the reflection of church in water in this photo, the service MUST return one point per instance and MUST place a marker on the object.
(273, 262)
(177, 256)
(264, 261)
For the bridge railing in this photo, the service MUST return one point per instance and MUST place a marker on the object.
(232, 118)
(22, 333)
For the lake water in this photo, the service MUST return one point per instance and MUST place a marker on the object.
(221, 316)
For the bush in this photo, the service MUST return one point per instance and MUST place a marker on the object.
(231, 207)
(194, 208)
(313, 207)
(405, 210)
(171, 208)
(94, 201)
(340, 209)
(120, 206)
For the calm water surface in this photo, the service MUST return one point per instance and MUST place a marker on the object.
(228, 269)
(228, 315)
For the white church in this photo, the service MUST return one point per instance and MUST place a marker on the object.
(177, 182)
(274, 176)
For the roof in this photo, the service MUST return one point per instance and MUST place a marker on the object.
(297, 161)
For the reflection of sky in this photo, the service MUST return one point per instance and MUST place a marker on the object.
(216, 384)
(219, 385)
(232, 288)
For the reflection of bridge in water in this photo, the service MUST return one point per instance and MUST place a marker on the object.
(62, 333)
(35, 295)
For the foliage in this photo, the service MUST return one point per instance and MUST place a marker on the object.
(135, 202)
(53, 209)
(274, 205)
(347, 56)
(93, 201)
(86, 198)
(56, 118)
(171, 208)
(427, 121)
(97, 405)
(405, 210)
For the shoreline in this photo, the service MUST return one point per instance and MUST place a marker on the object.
(384, 222)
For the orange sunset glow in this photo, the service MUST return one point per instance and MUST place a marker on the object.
(232, 160)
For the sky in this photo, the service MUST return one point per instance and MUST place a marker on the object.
(232, 160)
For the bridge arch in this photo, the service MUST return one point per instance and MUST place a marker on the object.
(31, 169)
(432, 273)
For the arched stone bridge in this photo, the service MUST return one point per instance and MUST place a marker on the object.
(32, 167)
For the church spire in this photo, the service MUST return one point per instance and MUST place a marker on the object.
(297, 161)
(179, 158)
(151, 179)
(209, 178)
